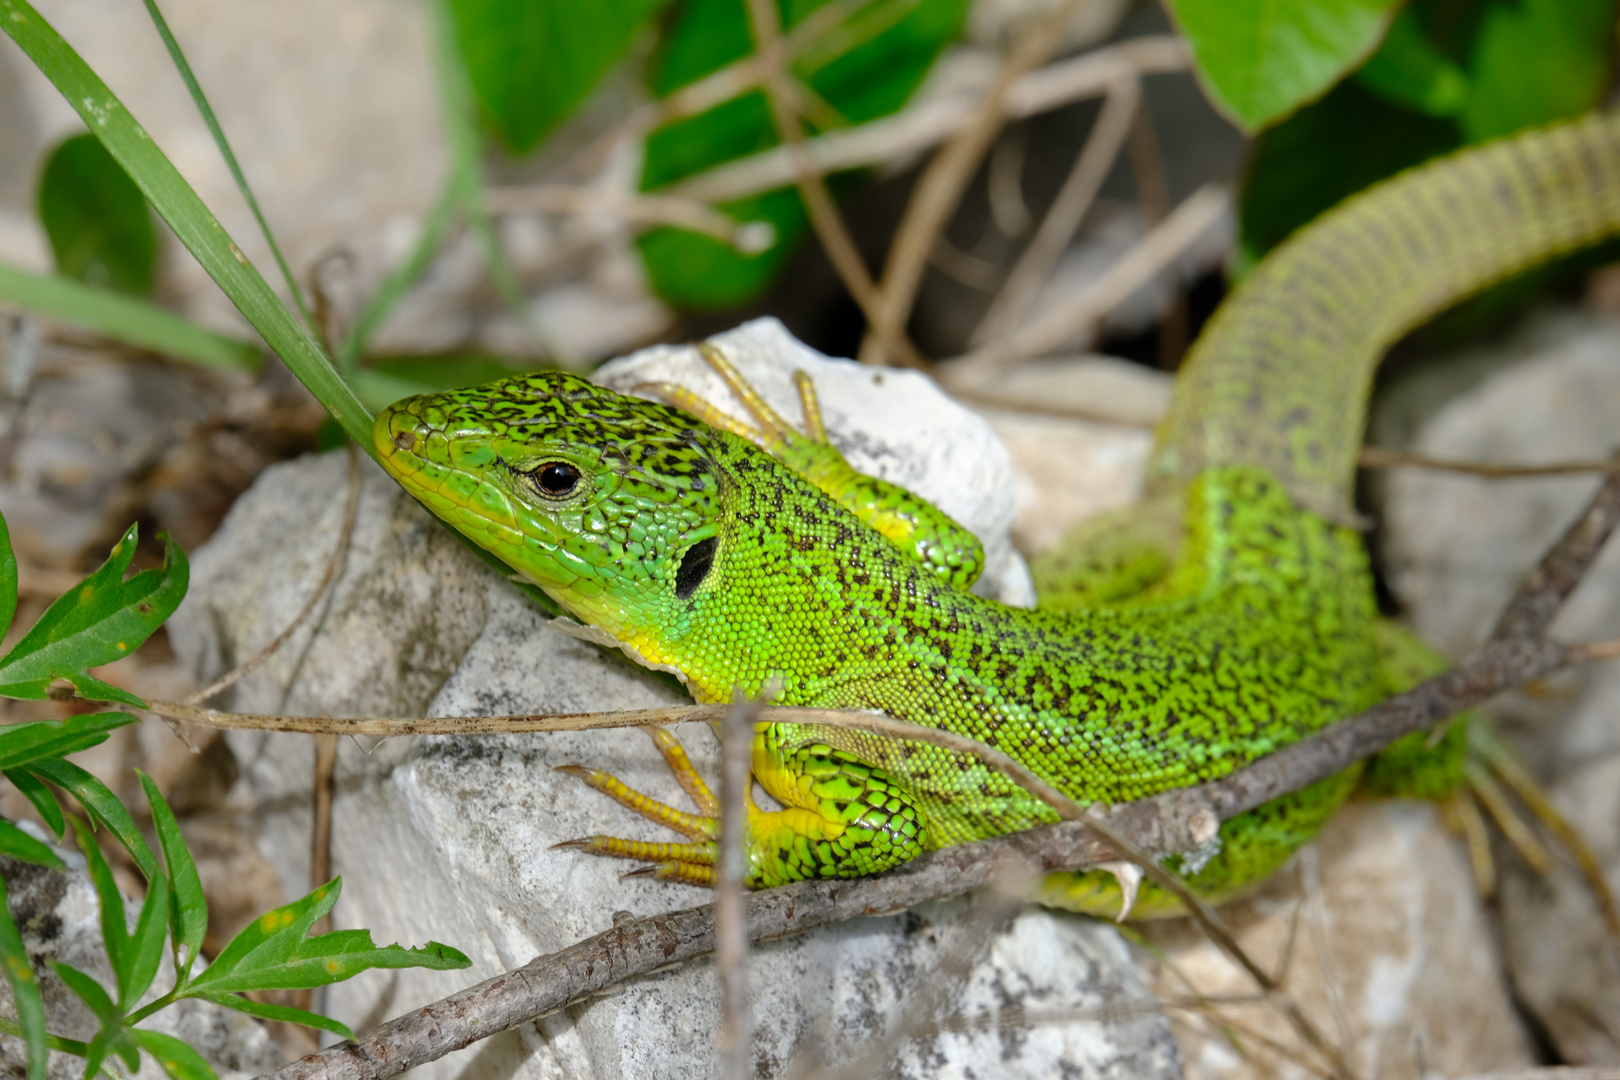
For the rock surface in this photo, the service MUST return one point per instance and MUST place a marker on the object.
(449, 837)
(1456, 548)
(59, 918)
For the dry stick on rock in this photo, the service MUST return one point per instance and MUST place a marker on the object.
(1091, 168)
(940, 189)
(735, 1042)
(1160, 823)
(925, 124)
(824, 216)
(646, 210)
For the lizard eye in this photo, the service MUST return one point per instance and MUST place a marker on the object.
(555, 478)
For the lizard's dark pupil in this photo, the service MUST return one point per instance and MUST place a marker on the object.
(557, 478)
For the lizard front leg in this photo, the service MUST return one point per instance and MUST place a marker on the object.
(840, 817)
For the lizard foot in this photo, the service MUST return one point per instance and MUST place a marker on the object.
(840, 817)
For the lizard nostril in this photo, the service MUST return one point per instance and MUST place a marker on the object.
(405, 440)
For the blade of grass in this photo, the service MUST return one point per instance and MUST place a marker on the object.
(25, 994)
(214, 129)
(179, 205)
(126, 319)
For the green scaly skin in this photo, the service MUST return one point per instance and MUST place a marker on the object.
(1233, 618)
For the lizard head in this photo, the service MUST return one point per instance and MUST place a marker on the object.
(608, 503)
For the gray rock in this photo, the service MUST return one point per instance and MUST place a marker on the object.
(59, 917)
(449, 838)
(1456, 548)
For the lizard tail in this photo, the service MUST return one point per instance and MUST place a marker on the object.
(1280, 377)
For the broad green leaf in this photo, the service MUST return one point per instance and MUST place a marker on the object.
(190, 917)
(864, 66)
(1535, 61)
(24, 989)
(144, 950)
(113, 1039)
(103, 806)
(285, 1013)
(179, 205)
(176, 1058)
(104, 618)
(96, 218)
(8, 577)
(531, 62)
(1408, 70)
(1259, 60)
(37, 739)
(42, 798)
(274, 951)
(92, 993)
(114, 931)
(127, 319)
(19, 845)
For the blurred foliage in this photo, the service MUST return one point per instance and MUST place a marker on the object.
(1449, 73)
(96, 217)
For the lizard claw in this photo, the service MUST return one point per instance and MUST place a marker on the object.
(1129, 876)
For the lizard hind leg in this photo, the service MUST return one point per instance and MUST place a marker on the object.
(840, 817)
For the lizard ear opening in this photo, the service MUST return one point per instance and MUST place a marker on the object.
(694, 567)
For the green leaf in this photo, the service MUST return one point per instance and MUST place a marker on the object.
(40, 795)
(864, 66)
(178, 204)
(112, 1039)
(176, 1058)
(1408, 70)
(531, 62)
(24, 989)
(285, 1013)
(24, 743)
(104, 618)
(96, 218)
(8, 577)
(273, 952)
(19, 845)
(1259, 60)
(100, 1002)
(103, 806)
(190, 917)
(114, 932)
(1536, 61)
(124, 318)
(145, 947)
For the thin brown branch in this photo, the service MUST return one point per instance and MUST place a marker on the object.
(941, 186)
(924, 125)
(340, 551)
(734, 1042)
(1068, 210)
(1077, 317)
(643, 210)
(825, 219)
(1378, 457)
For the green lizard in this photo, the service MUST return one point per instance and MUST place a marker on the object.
(1229, 615)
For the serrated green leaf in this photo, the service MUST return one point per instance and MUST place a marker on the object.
(114, 932)
(24, 989)
(8, 578)
(273, 952)
(531, 62)
(92, 993)
(285, 1013)
(190, 913)
(40, 795)
(136, 322)
(145, 946)
(104, 618)
(103, 806)
(19, 845)
(1259, 60)
(176, 1058)
(38, 739)
(1535, 61)
(97, 219)
(1408, 70)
